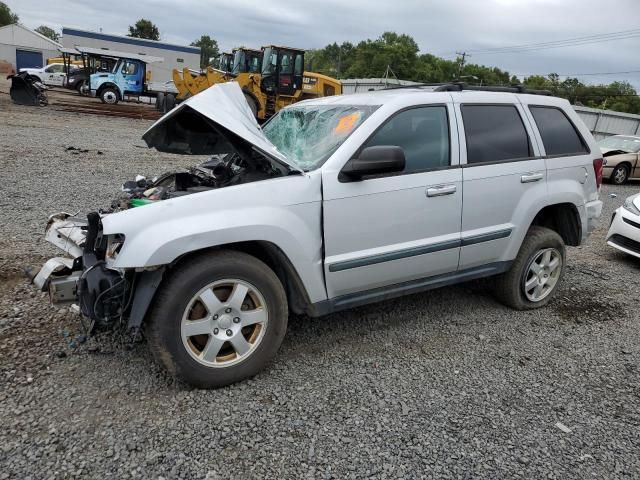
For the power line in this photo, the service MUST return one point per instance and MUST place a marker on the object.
(604, 37)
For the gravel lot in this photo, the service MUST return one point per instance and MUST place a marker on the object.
(446, 384)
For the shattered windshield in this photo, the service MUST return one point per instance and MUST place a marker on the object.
(626, 144)
(308, 134)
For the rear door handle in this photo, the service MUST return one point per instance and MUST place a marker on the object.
(531, 177)
(441, 190)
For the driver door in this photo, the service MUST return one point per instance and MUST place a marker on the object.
(392, 232)
(54, 75)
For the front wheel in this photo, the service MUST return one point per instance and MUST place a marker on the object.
(218, 319)
(620, 175)
(109, 96)
(536, 272)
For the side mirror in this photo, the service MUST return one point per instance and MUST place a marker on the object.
(373, 161)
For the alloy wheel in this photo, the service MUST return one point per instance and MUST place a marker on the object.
(542, 274)
(224, 323)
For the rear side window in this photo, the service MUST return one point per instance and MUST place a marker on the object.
(559, 135)
(423, 134)
(494, 133)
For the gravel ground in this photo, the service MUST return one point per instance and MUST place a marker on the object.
(447, 384)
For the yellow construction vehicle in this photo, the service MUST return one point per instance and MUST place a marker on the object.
(283, 81)
(191, 82)
(271, 78)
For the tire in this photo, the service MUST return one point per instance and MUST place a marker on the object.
(177, 308)
(620, 175)
(170, 102)
(79, 87)
(510, 287)
(109, 96)
(160, 97)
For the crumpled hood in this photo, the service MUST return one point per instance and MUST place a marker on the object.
(209, 122)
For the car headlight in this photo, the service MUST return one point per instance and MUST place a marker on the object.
(629, 205)
(114, 245)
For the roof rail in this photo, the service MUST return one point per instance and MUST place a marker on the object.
(460, 86)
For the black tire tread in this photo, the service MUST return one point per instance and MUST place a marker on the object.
(158, 324)
(507, 285)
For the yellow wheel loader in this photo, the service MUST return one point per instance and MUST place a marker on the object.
(283, 81)
(271, 78)
(191, 82)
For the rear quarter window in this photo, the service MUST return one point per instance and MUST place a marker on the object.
(559, 135)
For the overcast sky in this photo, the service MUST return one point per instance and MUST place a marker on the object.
(440, 27)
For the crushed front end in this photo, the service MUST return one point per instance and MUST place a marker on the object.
(84, 277)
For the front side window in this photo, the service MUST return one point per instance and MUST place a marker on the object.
(129, 68)
(309, 134)
(423, 134)
(238, 62)
(494, 133)
(286, 63)
(269, 64)
(559, 136)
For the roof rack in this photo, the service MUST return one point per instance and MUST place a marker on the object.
(460, 86)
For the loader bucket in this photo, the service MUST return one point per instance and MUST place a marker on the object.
(25, 91)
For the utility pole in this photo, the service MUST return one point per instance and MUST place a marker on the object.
(464, 55)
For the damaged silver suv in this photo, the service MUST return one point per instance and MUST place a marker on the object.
(333, 203)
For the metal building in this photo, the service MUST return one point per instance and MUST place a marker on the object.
(21, 47)
(603, 123)
(175, 56)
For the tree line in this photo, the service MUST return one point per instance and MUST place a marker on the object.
(396, 55)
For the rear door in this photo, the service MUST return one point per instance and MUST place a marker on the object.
(504, 177)
(394, 229)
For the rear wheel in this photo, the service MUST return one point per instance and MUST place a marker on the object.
(79, 86)
(536, 272)
(620, 175)
(109, 96)
(218, 319)
(170, 102)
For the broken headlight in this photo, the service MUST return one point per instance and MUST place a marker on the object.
(114, 245)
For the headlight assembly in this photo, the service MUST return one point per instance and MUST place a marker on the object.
(629, 205)
(114, 245)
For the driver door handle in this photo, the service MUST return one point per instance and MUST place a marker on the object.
(441, 190)
(531, 177)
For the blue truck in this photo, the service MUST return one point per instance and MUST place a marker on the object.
(129, 77)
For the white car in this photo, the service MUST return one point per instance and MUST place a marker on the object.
(50, 75)
(624, 232)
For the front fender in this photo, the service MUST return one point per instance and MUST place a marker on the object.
(269, 210)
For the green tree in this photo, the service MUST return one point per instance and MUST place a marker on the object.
(144, 29)
(7, 17)
(390, 50)
(48, 32)
(208, 50)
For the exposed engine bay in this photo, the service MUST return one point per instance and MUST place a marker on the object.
(218, 172)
